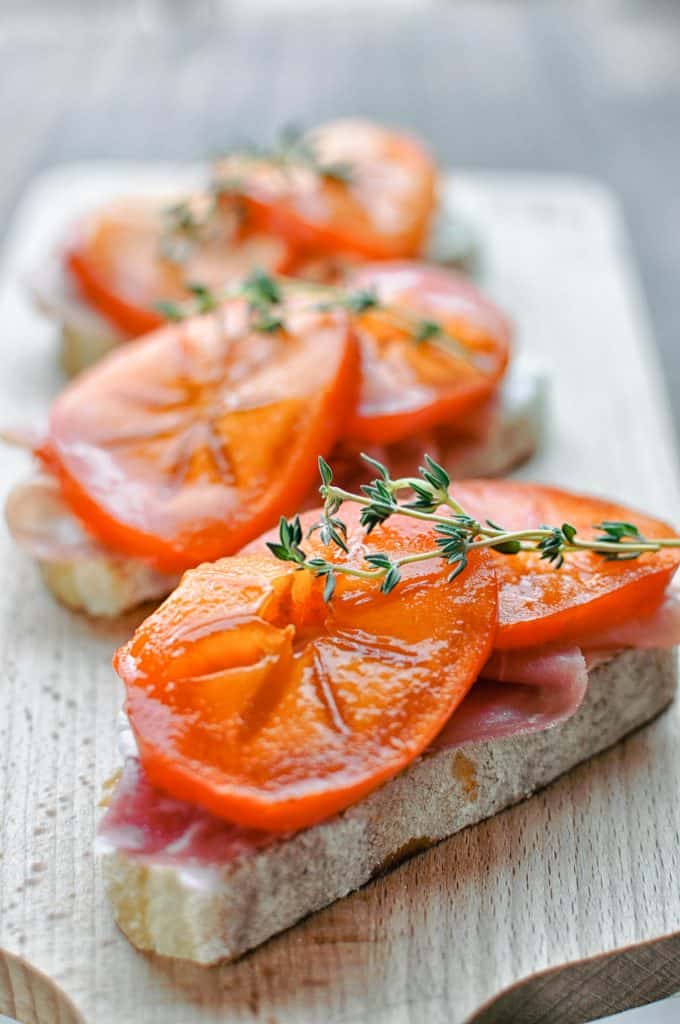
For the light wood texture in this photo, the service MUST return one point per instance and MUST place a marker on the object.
(589, 865)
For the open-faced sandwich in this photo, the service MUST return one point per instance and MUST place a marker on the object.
(312, 710)
(348, 192)
(184, 445)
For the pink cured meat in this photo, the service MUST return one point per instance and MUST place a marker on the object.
(493, 710)
(660, 629)
(541, 666)
(519, 692)
(550, 665)
(43, 525)
(144, 822)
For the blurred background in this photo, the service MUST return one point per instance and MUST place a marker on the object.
(590, 88)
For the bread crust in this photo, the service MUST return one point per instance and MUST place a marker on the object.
(80, 349)
(105, 586)
(85, 335)
(212, 915)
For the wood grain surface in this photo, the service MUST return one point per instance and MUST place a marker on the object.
(587, 866)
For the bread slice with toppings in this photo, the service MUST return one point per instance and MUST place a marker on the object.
(104, 584)
(86, 336)
(212, 908)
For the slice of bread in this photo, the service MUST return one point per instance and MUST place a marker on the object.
(105, 586)
(85, 335)
(236, 906)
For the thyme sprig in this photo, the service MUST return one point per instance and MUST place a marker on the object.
(266, 296)
(186, 223)
(419, 330)
(262, 293)
(428, 497)
(293, 150)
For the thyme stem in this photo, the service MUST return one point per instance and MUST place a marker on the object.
(455, 534)
(266, 295)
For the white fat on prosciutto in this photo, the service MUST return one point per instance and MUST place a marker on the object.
(23, 435)
(660, 629)
(144, 822)
(57, 295)
(42, 524)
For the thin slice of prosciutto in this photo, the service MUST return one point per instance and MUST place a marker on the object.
(42, 524)
(144, 822)
(659, 629)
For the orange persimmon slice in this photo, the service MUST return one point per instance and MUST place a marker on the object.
(409, 385)
(380, 208)
(251, 697)
(120, 257)
(185, 444)
(539, 604)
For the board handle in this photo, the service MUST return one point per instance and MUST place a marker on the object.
(30, 997)
(586, 990)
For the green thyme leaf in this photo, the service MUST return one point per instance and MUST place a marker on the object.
(425, 330)
(266, 323)
(261, 289)
(379, 560)
(329, 587)
(360, 301)
(569, 531)
(377, 466)
(170, 310)
(392, 577)
(206, 300)
(340, 171)
(325, 472)
(617, 531)
(435, 474)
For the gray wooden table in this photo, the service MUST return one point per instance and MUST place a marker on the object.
(592, 88)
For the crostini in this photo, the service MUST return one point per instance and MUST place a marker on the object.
(366, 681)
(347, 192)
(186, 444)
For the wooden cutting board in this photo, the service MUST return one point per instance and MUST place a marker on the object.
(589, 865)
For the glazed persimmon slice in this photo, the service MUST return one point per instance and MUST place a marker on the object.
(185, 444)
(127, 257)
(366, 191)
(409, 385)
(251, 697)
(539, 604)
